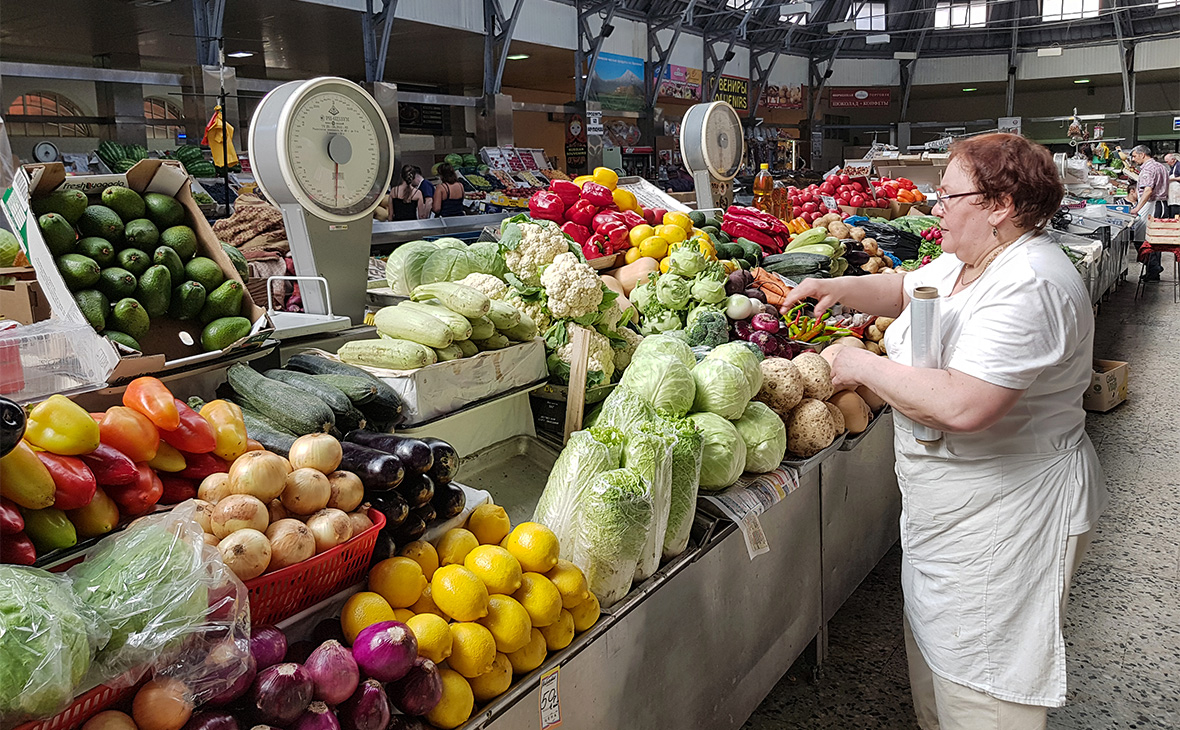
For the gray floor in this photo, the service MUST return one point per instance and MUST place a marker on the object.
(1123, 627)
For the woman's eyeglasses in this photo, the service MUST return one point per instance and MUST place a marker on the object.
(943, 197)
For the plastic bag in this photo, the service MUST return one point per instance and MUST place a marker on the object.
(687, 450)
(623, 409)
(588, 454)
(616, 516)
(48, 639)
(170, 602)
(649, 454)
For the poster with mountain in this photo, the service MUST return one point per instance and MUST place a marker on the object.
(618, 82)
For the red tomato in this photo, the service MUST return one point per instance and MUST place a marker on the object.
(827, 188)
(858, 186)
(796, 211)
(844, 179)
(882, 203)
(810, 207)
(857, 201)
(845, 197)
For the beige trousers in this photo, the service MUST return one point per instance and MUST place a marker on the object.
(941, 704)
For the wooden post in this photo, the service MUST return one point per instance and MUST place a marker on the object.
(575, 402)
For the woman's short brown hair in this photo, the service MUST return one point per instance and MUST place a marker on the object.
(1010, 166)
(446, 171)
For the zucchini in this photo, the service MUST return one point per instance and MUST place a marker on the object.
(465, 300)
(413, 325)
(524, 331)
(288, 406)
(384, 411)
(796, 264)
(496, 342)
(482, 328)
(503, 315)
(458, 325)
(267, 433)
(446, 354)
(359, 390)
(393, 354)
(468, 347)
(347, 415)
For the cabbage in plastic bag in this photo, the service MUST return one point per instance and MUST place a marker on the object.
(686, 479)
(623, 409)
(616, 516)
(649, 454)
(723, 455)
(47, 641)
(722, 388)
(586, 455)
(765, 437)
(737, 353)
(664, 382)
(665, 345)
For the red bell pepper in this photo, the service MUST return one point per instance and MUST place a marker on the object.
(632, 219)
(544, 205)
(604, 217)
(654, 216)
(616, 235)
(17, 549)
(73, 481)
(580, 234)
(566, 190)
(10, 519)
(130, 432)
(194, 434)
(738, 229)
(110, 466)
(152, 398)
(199, 466)
(599, 195)
(140, 496)
(595, 247)
(176, 489)
(582, 213)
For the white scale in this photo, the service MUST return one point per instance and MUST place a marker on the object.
(322, 151)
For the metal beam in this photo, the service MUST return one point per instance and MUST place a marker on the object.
(590, 42)
(663, 55)
(498, 30)
(1126, 64)
(718, 64)
(208, 16)
(88, 73)
(376, 25)
(1013, 58)
(907, 74)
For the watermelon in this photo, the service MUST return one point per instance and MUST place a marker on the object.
(454, 160)
(470, 161)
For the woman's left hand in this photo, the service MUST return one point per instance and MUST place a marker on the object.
(848, 365)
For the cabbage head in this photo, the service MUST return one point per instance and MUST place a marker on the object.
(487, 259)
(587, 454)
(649, 454)
(449, 242)
(765, 437)
(737, 353)
(723, 453)
(664, 382)
(665, 345)
(722, 388)
(616, 517)
(448, 264)
(403, 269)
(623, 409)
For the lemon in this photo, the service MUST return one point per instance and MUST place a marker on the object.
(535, 546)
(489, 523)
(632, 255)
(496, 567)
(540, 598)
(510, 624)
(433, 634)
(403, 614)
(560, 633)
(398, 580)
(456, 704)
(531, 656)
(570, 583)
(655, 247)
(425, 604)
(459, 593)
(671, 233)
(473, 650)
(495, 682)
(639, 233)
(664, 265)
(586, 613)
(678, 219)
(454, 545)
(424, 554)
(363, 610)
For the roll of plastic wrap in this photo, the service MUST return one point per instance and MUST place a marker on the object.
(926, 344)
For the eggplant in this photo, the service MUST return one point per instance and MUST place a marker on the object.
(446, 461)
(386, 547)
(426, 513)
(416, 455)
(12, 425)
(418, 489)
(377, 470)
(449, 501)
(410, 530)
(392, 505)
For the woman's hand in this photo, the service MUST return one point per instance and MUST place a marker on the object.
(823, 290)
(848, 365)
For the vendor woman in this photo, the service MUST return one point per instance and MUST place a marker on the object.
(997, 512)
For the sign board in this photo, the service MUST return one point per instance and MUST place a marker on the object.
(617, 82)
(424, 117)
(1176, 124)
(549, 699)
(735, 91)
(594, 124)
(787, 96)
(1010, 125)
(817, 146)
(851, 97)
(575, 143)
(680, 83)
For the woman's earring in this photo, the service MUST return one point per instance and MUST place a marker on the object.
(995, 233)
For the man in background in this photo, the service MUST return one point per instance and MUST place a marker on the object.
(1172, 161)
(1152, 190)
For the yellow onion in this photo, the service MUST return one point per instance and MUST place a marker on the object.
(290, 542)
(319, 451)
(306, 491)
(203, 515)
(214, 487)
(259, 474)
(347, 491)
(246, 553)
(162, 704)
(329, 527)
(239, 512)
(360, 522)
(110, 720)
(210, 539)
(277, 511)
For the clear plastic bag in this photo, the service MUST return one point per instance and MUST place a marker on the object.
(588, 454)
(649, 454)
(686, 479)
(623, 409)
(615, 517)
(48, 639)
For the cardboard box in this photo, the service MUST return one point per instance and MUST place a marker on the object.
(1108, 385)
(170, 344)
(23, 301)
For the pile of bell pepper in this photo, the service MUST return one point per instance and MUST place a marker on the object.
(66, 474)
(758, 226)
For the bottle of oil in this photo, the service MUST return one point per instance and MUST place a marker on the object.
(763, 189)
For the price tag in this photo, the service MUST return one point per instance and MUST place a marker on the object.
(830, 202)
(550, 700)
(16, 206)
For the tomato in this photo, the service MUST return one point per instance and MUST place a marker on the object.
(844, 179)
(810, 207)
(858, 186)
(796, 211)
(827, 188)
(857, 201)
(845, 197)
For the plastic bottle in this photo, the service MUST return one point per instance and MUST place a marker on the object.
(763, 189)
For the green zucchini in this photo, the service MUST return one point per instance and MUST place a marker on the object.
(359, 390)
(348, 418)
(266, 432)
(385, 410)
(796, 264)
(288, 406)
(458, 325)
(392, 354)
(413, 325)
(465, 300)
(452, 352)
(503, 315)
(496, 342)
(468, 348)
(482, 328)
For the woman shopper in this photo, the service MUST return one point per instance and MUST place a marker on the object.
(995, 514)
(406, 200)
(448, 195)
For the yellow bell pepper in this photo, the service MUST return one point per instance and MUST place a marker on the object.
(61, 426)
(25, 479)
(625, 199)
(168, 459)
(581, 180)
(606, 177)
(228, 428)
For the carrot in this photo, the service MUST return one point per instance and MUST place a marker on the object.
(772, 286)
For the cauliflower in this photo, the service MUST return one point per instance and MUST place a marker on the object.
(602, 355)
(537, 244)
(536, 311)
(572, 287)
(623, 355)
(486, 283)
(614, 316)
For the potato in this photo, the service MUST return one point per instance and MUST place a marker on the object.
(873, 347)
(882, 323)
(855, 411)
(848, 342)
(874, 333)
(856, 233)
(837, 417)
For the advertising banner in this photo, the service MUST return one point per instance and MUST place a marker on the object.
(575, 143)
(735, 91)
(787, 96)
(852, 97)
(680, 83)
(618, 82)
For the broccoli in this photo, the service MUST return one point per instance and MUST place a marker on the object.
(708, 327)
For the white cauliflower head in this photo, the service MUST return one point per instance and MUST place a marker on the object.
(486, 283)
(602, 355)
(536, 311)
(540, 244)
(623, 356)
(572, 287)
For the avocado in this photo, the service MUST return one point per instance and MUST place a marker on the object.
(181, 238)
(99, 220)
(712, 222)
(224, 301)
(142, 234)
(94, 305)
(697, 218)
(187, 301)
(168, 257)
(80, 272)
(204, 271)
(134, 260)
(711, 230)
(117, 283)
(238, 260)
(163, 210)
(221, 333)
(129, 318)
(124, 201)
(124, 339)
(155, 290)
(58, 233)
(69, 204)
(99, 249)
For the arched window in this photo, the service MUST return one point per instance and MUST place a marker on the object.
(46, 104)
(155, 108)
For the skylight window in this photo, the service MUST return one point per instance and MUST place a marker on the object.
(870, 16)
(960, 14)
(1069, 9)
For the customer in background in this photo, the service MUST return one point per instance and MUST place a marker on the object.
(1152, 190)
(1172, 162)
(448, 194)
(407, 203)
(996, 514)
(679, 181)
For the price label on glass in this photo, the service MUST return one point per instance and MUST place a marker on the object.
(550, 700)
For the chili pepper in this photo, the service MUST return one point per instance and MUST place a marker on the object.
(168, 459)
(17, 549)
(582, 213)
(61, 426)
(566, 190)
(600, 195)
(141, 495)
(12, 425)
(176, 489)
(73, 481)
(576, 231)
(130, 432)
(152, 398)
(110, 466)
(200, 466)
(97, 518)
(544, 205)
(49, 529)
(24, 479)
(229, 430)
(10, 519)
(194, 434)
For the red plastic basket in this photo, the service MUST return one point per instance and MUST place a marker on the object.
(284, 593)
(84, 707)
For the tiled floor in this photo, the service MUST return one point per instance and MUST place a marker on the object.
(1123, 627)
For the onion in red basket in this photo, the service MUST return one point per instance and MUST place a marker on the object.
(281, 693)
(333, 672)
(212, 721)
(385, 651)
(419, 691)
(317, 717)
(367, 709)
(268, 646)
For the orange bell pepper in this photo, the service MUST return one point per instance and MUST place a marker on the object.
(229, 429)
(98, 517)
(24, 479)
(152, 398)
(61, 426)
(131, 432)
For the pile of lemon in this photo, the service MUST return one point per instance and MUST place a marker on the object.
(485, 603)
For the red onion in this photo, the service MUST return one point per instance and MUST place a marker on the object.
(237, 688)
(419, 691)
(407, 722)
(317, 717)
(281, 693)
(268, 645)
(212, 721)
(300, 651)
(265, 727)
(385, 651)
(333, 671)
(367, 709)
